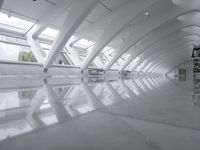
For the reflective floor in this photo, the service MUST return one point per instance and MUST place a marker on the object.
(68, 114)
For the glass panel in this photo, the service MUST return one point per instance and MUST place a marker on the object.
(14, 52)
(13, 23)
(49, 33)
(106, 55)
(84, 43)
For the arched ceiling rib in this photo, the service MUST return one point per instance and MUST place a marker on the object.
(169, 26)
(171, 57)
(1, 4)
(163, 46)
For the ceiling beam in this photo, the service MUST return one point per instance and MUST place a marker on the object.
(122, 18)
(46, 19)
(156, 52)
(155, 58)
(79, 11)
(1, 3)
(155, 38)
(165, 57)
(144, 28)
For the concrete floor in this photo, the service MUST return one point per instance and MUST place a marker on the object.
(132, 114)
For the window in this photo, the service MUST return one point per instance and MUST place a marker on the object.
(14, 52)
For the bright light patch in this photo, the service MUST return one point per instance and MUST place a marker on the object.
(132, 64)
(45, 46)
(13, 23)
(85, 109)
(84, 43)
(50, 32)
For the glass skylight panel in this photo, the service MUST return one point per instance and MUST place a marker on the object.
(122, 60)
(84, 43)
(106, 54)
(13, 40)
(49, 32)
(14, 23)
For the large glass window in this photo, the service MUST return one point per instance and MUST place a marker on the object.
(13, 52)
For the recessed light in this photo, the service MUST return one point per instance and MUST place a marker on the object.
(147, 14)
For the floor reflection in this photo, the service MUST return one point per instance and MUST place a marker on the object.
(36, 107)
(24, 110)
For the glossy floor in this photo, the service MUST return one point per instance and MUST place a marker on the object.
(130, 114)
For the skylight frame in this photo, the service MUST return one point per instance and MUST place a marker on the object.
(15, 24)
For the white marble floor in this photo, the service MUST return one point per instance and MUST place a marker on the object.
(131, 114)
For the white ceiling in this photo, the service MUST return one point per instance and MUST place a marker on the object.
(145, 30)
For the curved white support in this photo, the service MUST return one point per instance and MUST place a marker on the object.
(155, 38)
(122, 18)
(158, 61)
(160, 47)
(146, 28)
(79, 11)
(178, 45)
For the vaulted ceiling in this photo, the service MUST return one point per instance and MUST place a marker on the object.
(159, 32)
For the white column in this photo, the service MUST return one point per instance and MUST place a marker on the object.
(32, 115)
(41, 25)
(91, 96)
(79, 11)
(58, 107)
(71, 52)
(49, 16)
(113, 92)
(36, 48)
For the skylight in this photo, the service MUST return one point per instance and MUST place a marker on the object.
(49, 32)
(84, 43)
(106, 54)
(15, 24)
